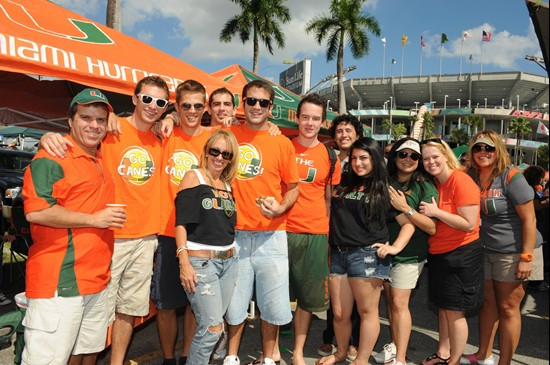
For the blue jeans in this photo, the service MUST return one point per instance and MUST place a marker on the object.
(359, 262)
(217, 279)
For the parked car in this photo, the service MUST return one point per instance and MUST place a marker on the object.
(12, 167)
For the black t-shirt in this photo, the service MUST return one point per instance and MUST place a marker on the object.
(203, 215)
(348, 222)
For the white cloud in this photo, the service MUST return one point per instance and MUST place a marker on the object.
(145, 36)
(83, 7)
(503, 51)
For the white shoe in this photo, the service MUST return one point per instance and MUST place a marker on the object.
(231, 360)
(387, 354)
(471, 359)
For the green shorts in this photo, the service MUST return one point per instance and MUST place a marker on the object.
(309, 270)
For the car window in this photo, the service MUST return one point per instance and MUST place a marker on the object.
(14, 162)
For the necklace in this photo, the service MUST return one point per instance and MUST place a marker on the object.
(487, 184)
(227, 207)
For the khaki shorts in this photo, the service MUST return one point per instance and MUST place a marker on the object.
(405, 276)
(502, 266)
(58, 327)
(131, 271)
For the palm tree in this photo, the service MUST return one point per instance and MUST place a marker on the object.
(429, 124)
(459, 136)
(474, 122)
(114, 14)
(346, 22)
(259, 18)
(520, 127)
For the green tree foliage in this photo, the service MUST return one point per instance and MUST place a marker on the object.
(259, 18)
(429, 125)
(460, 136)
(474, 122)
(398, 130)
(520, 127)
(542, 156)
(346, 22)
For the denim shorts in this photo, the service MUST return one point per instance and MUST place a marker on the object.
(263, 261)
(359, 262)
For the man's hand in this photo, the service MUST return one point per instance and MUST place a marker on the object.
(273, 129)
(167, 126)
(270, 207)
(109, 217)
(229, 121)
(113, 125)
(55, 144)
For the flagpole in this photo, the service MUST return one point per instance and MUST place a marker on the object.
(421, 49)
(440, 58)
(481, 70)
(461, 45)
(384, 62)
(402, 55)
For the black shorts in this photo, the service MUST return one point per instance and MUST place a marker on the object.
(456, 278)
(166, 289)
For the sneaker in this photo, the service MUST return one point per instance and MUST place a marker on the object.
(352, 353)
(326, 349)
(471, 359)
(387, 354)
(220, 350)
(4, 300)
(231, 360)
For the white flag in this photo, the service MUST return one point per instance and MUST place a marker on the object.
(384, 41)
(542, 129)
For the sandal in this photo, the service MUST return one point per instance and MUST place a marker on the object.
(435, 356)
(336, 360)
(261, 361)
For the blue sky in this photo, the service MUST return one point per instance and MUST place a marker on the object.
(189, 30)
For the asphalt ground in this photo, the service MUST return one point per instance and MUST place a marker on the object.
(532, 349)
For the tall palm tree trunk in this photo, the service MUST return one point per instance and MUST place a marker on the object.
(114, 14)
(340, 75)
(256, 51)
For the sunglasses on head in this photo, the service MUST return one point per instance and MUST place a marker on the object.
(434, 140)
(226, 155)
(264, 103)
(478, 147)
(403, 155)
(148, 99)
(187, 106)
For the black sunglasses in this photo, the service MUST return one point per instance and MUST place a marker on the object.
(403, 155)
(226, 155)
(187, 106)
(435, 140)
(148, 99)
(478, 147)
(264, 103)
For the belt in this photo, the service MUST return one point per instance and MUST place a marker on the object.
(213, 254)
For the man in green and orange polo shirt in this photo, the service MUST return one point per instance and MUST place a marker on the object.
(68, 267)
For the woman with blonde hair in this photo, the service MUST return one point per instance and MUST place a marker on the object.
(511, 243)
(455, 255)
(205, 239)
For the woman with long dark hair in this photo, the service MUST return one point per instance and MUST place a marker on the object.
(360, 260)
(405, 169)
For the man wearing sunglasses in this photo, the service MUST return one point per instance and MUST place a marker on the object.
(265, 163)
(133, 159)
(181, 153)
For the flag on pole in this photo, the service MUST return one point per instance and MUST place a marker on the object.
(444, 38)
(542, 129)
(466, 35)
(384, 41)
(393, 61)
(486, 36)
(404, 40)
(422, 43)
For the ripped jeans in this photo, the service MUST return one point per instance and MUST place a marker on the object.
(209, 302)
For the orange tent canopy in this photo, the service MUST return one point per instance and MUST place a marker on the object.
(46, 41)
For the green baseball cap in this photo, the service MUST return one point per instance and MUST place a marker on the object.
(88, 96)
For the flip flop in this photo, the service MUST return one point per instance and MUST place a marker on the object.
(336, 360)
(261, 361)
(434, 356)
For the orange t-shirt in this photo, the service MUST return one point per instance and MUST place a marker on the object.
(265, 162)
(309, 213)
(133, 159)
(457, 191)
(180, 153)
(73, 261)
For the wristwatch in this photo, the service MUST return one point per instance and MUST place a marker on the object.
(526, 256)
(410, 212)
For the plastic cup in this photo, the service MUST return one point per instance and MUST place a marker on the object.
(116, 205)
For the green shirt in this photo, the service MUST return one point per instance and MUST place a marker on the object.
(417, 248)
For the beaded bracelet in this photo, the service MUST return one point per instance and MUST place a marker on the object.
(180, 249)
